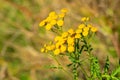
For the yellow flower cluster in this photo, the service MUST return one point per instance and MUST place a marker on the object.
(54, 20)
(66, 41)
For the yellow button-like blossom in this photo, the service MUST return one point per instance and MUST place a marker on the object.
(61, 15)
(56, 51)
(93, 29)
(57, 45)
(63, 48)
(42, 23)
(85, 19)
(60, 22)
(42, 49)
(70, 49)
(64, 34)
(57, 38)
(81, 26)
(70, 40)
(48, 26)
(78, 31)
(52, 47)
(71, 31)
(53, 22)
(77, 36)
(85, 33)
(52, 13)
(64, 10)
(48, 48)
(86, 28)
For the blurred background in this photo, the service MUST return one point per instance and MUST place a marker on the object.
(21, 38)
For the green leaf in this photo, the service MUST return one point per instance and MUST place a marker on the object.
(107, 64)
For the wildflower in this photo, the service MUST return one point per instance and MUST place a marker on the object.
(70, 48)
(60, 22)
(85, 19)
(42, 23)
(48, 47)
(42, 50)
(77, 36)
(71, 31)
(86, 28)
(89, 25)
(53, 22)
(93, 29)
(57, 45)
(51, 14)
(48, 26)
(78, 31)
(85, 33)
(52, 47)
(81, 26)
(64, 34)
(70, 40)
(61, 15)
(57, 51)
(57, 38)
(63, 48)
(64, 10)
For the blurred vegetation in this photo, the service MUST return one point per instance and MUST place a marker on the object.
(21, 38)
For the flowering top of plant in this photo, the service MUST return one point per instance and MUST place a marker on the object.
(54, 20)
(66, 41)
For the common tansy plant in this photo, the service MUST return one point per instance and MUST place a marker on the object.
(73, 43)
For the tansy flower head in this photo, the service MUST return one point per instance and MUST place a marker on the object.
(64, 10)
(81, 26)
(70, 49)
(77, 36)
(57, 51)
(60, 22)
(71, 31)
(85, 19)
(93, 29)
(48, 26)
(63, 48)
(42, 49)
(85, 33)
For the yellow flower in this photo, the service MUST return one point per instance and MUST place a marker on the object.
(93, 29)
(53, 22)
(64, 34)
(48, 47)
(89, 25)
(85, 33)
(71, 31)
(85, 19)
(48, 19)
(70, 48)
(48, 26)
(79, 31)
(81, 26)
(60, 22)
(54, 17)
(64, 10)
(42, 49)
(61, 15)
(57, 45)
(52, 13)
(86, 28)
(42, 23)
(57, 38)
(63, 48)
(70, 40)
(52, 47)
(77, 36)
(56, 51)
